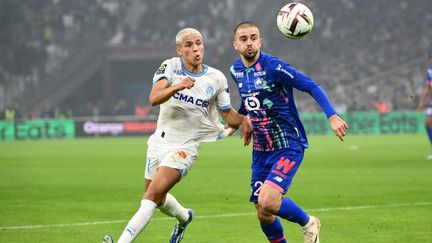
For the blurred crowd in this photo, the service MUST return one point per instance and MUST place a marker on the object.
(368, 55)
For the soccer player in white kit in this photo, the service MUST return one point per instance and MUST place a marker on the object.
(190, 95)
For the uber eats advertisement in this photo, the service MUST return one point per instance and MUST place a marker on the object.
(314, 123)
(37, 129)
(369, 123)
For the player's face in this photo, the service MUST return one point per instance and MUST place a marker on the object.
(192, 51)
(247, 41)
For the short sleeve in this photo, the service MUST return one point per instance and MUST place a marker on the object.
(223, 97)
(164, 71)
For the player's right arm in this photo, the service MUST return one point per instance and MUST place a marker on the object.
(162, 91)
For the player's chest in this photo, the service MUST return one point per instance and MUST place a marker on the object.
(201, 94)
(253, 81)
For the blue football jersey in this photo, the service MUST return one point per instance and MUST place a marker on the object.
(266, 89)
(428, 82)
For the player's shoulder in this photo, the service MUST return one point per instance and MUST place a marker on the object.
(170, 64)
(236, 65)
(215, 73)
(212, 70)
(174, 61)
(276, 66)
(273, 61)
(165, 70)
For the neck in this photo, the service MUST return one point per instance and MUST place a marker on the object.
(194, 68)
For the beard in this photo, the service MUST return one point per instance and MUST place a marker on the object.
(250, 56)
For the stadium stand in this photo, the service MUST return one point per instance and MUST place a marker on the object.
(54, 52)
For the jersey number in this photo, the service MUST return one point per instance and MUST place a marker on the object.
(258, 185)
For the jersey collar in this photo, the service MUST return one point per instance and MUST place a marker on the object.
(194, 74)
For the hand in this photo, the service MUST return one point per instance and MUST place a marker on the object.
(338, 126)
(232, 129)
(186, 83)
(246, 131)
(420, 106)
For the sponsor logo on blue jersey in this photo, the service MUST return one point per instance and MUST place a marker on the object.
(258, 83)
(260, 73)
(191, 100)
(238, 75)
(250, 94)
(252, 103)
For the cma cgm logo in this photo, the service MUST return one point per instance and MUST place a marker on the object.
(190, 99)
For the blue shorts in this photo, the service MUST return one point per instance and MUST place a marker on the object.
(275, 168)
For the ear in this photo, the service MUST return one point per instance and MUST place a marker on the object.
(178, 50)
(234, 45)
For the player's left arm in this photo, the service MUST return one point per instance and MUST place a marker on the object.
(233, 119)
(302, 82)
(337, 124)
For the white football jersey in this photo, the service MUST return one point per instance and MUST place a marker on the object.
(192, 114)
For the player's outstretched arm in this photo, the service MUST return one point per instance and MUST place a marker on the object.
(246, 130)
(235, 120)
(338, 126)
(161, 91)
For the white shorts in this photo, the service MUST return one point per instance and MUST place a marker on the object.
(429, 111)
(177, 156)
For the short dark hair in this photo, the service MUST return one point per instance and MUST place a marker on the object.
(245, 24)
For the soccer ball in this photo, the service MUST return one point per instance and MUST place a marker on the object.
(295, 20)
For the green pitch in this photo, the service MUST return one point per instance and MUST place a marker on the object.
(366, 189)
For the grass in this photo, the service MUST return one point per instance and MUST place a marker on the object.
(366, 189)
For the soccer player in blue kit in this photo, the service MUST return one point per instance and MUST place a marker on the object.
(425, 98)
(266, 86)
